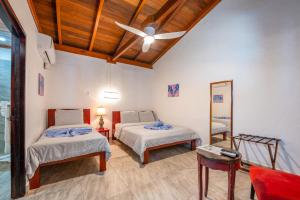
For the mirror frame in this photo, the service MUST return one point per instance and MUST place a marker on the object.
(231, 114)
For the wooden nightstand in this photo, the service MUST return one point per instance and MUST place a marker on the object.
(104, 131)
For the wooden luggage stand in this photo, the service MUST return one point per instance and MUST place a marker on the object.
(258, 140)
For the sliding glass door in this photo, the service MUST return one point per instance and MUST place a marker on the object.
(5, 88)
(12, 102)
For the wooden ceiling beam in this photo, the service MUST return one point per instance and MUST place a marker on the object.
(127, 46)
(165, 10)
(96, 25)
(34, 15)
(166, 21)
(189, 27)
(133, 62)
(58, 20)
(131, 21)
(106, 57)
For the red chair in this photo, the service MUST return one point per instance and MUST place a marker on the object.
(271, 184)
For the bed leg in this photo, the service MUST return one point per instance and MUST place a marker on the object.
(113, 135)
(34, 182)
(146, 157)
(102, 162)
(193, 145)
(224, 136)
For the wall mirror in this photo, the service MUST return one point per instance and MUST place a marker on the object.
(221, 108)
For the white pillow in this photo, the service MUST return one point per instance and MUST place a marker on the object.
(146, 116)
(68, 117)
(129, 117)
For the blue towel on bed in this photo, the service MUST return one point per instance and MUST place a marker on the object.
(67, 132)
(158, 125)
(80, 131)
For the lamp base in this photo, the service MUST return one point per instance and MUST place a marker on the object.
(101, 122)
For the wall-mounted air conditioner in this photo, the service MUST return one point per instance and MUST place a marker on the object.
(46, 49)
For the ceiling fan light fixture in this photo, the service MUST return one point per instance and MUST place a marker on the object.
(149, 35)
(149, 39)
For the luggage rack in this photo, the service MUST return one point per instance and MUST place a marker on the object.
(270, 142)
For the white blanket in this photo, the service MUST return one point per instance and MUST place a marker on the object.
(54, 149)
(139, 139)
(218, 128)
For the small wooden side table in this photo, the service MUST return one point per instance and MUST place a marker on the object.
(104, 131)
(217, 162)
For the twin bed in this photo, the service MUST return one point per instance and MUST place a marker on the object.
(128, 126)
(219, 129)
(220, 126)
(54, 150)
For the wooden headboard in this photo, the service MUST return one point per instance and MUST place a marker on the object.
(51, 116)
(116, 118)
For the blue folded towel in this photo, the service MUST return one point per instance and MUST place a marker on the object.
(158, 125)
(67, 132)
(62, 132)
(80, 131)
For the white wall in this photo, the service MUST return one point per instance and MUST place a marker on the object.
(256, 44)
(35, 104)
(77, 81)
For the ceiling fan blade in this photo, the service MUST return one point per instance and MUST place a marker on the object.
(146, 47)
(165, 36)
(132, 30)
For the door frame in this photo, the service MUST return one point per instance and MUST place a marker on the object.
(18, 48)
(231, 110)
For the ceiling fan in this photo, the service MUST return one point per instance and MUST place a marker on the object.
(149, 35)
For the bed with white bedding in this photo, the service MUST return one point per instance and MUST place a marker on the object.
(219, 128)
(132, 132)
(53, 150)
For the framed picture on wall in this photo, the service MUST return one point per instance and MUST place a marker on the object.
(218, 98)
(41, 85)
(173, 90)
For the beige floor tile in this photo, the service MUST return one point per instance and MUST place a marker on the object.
(172, 175)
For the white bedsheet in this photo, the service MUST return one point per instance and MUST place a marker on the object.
(54, 149)
(218, 127)
(138, 138)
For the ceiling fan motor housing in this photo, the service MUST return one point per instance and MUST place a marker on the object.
(149, 30)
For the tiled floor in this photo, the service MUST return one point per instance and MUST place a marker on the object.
(172, 174)
(218, 141)
(4, 180)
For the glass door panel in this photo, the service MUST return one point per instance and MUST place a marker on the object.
(5, 86)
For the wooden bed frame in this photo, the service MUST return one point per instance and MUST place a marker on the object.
(34, 182)
(116, 118)
(224, 133)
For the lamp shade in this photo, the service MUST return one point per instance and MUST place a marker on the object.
(101, 111)
(108, 94)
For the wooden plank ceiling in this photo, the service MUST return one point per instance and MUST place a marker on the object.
(88, 26)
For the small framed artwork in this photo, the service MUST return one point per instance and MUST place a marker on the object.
(173, 90)
(218, 98)
(41, 85)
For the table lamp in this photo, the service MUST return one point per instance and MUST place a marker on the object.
(100, 112)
